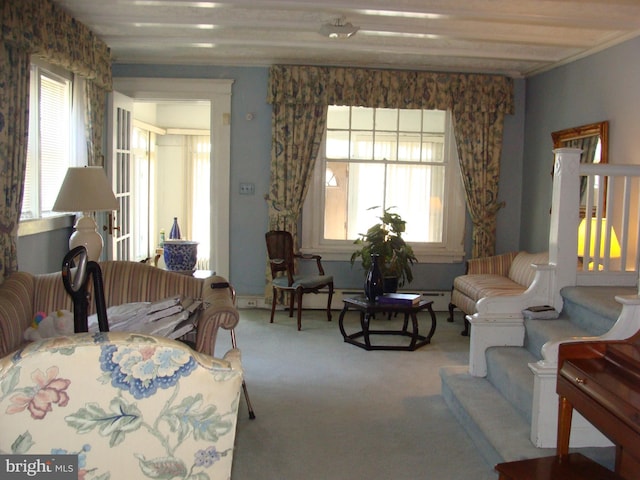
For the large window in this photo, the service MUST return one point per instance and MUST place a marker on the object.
(50, 137)
(374, 159)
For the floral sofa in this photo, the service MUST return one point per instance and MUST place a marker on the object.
(128, 405)
(23, 295)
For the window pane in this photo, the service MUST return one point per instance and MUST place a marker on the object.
(433, 149)
(410, 121)
(54, 138)
(409, 148)
(338, 117)
(361, 145)
(433, 120)
(335, 206)
(386, 146)
(366, 190)
(337, 145)
(359, 187)
(387, 119)
(415, 192)
(362, 118)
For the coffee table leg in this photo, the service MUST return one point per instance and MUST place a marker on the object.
(341, 321)
(433, 323)
(405, 324)
(414, 337)
(364, 323)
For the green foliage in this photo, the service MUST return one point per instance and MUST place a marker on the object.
(385, 239)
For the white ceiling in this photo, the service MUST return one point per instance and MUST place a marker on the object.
(512, 37)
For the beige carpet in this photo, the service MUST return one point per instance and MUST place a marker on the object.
(329, 410)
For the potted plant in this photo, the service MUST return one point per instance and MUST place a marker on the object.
(385, 239)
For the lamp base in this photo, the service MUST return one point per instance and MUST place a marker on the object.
(87, 235)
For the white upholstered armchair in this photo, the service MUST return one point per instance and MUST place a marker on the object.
(129, 405)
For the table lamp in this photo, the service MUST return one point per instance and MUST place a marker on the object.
(87, 190)
(614, 245)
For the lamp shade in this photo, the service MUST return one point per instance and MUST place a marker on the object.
(614, 245)
(85, 189)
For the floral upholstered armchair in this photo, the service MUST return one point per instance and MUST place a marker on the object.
(129, 405)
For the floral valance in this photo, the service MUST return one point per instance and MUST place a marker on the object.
(44, 29)
(390, 88)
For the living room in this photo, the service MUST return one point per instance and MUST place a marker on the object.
(546, 102)
(600, 86)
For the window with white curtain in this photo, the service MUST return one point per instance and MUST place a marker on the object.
(198, 162)
(377, 158)
(49, 151)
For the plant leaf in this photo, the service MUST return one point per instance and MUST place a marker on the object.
(22, 444)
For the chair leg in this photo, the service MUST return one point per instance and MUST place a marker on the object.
(291, 300)
(451, 307)
(273, 305)
(467, 325)
(465, 332)
(299, 299)
(329, 301)
(252, 415)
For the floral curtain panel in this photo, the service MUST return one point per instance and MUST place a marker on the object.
(479, 103)
(45, 30)
(94, 122)
(38, 27)
(14, 126)
(297, 131)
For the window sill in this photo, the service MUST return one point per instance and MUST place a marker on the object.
(434, 255)
(43, 225)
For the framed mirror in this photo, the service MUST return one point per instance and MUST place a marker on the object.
(593, 139)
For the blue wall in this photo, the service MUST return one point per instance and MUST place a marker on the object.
(603, 86)
(250, 157)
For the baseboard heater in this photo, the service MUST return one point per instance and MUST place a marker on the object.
(318, 301)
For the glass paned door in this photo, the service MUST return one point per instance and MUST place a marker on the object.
(119, 239)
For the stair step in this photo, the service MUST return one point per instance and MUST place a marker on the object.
(594, 308)
(508, 372)
(497, 429)
(539, 332)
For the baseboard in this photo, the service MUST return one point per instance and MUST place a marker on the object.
(319, 301)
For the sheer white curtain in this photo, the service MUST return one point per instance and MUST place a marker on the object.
(198, 201)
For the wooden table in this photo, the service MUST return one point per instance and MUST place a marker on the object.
(368, 310)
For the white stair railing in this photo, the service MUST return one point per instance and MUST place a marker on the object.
(601, 263)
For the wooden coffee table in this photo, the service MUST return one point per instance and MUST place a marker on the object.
(368, 309)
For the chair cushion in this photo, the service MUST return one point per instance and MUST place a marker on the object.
(304, 281)
(486, 285)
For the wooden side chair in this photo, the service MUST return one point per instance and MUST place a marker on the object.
(282, 261)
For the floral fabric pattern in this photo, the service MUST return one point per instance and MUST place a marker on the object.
(129, 405)
(48, 390)
(141, 371)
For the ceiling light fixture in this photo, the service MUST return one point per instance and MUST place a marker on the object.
(338, 29)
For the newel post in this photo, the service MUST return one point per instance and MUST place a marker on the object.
(563, 231)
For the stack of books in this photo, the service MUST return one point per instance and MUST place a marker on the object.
(407, 299)
(540, 312)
